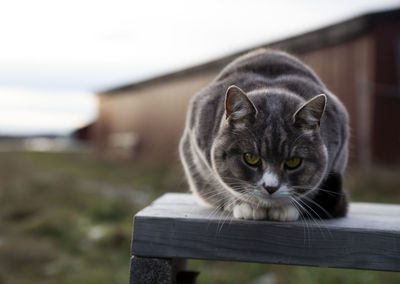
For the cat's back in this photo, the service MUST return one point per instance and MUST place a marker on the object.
(265, 66)
(260, 68)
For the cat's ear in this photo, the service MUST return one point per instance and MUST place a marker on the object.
(237, 105)
(309, 114)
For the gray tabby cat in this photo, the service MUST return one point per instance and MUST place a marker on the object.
(267, 140)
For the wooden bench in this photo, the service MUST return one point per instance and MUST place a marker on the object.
(175, 228)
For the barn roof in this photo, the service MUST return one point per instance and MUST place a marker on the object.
(326, 36)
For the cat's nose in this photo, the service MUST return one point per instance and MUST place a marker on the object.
(271, 189)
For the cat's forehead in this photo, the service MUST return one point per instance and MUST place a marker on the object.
(277, 135)
(273, 125)
(275, 103)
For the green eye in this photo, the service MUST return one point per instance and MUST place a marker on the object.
(251, 159)
(293, 163)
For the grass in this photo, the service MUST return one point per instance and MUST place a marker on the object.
(67, 218)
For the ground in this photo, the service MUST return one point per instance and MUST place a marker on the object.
(67, 218)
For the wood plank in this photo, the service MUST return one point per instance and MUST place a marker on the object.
(175, 226)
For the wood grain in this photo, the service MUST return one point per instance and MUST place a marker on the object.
(175, 226)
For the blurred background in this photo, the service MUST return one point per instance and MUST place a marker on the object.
(93, 97)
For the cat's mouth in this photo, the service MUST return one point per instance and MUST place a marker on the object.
(285, 195)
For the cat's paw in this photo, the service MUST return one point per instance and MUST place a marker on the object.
(283, 213)
(246, 211)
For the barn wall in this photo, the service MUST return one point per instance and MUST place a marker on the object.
(156, 113)
(386, 129)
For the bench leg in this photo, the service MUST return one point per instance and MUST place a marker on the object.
(160, 271)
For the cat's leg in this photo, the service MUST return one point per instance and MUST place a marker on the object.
(340, 162)
(329, 202)
(332, 201)
(193, 176)
(201, 181)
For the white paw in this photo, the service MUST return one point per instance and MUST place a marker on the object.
(246, 211)
(283, 213)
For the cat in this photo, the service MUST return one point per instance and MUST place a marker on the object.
(266, 140)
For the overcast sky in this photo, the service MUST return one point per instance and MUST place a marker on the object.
(60, 52)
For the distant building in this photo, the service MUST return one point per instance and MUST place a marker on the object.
(358, 60)
(84, 133)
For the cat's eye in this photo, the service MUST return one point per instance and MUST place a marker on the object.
(293, 163)
(251, 159)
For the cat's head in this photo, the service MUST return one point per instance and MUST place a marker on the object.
(269, 149)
